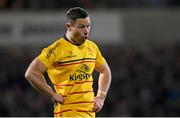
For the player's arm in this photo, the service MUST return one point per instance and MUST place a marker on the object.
(103, 85)
(104, 80)
(35, 75)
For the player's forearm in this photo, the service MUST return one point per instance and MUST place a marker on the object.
(104, 83)
(38, 82)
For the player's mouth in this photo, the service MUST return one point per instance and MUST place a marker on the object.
(85, 36)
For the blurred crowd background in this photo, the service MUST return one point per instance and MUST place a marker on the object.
(60, 4)
(145, 81)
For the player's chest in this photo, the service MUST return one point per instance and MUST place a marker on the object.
(72, 58)
(75, 54)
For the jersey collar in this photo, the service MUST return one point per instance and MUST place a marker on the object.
(65, 37)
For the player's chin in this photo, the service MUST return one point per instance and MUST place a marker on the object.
(84, 38)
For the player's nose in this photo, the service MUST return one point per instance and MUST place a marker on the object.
(86, 34)
(86, 29)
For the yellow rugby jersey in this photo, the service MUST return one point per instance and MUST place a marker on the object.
(70, 69)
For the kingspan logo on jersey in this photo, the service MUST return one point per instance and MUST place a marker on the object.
(82, 73)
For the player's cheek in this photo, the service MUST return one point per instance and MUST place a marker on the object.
(77, 34)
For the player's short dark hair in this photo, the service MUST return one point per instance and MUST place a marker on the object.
(76, 12)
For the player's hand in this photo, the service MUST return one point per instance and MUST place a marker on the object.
(98, 104)
(57, 98)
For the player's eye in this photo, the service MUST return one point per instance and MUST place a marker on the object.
(81, 26)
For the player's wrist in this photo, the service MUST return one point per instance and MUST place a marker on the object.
(101, 94)
(100, 97)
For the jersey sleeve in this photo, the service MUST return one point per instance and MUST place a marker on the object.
(99, 58)
(48, 55)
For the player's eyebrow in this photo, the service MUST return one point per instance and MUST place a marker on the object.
(84, 25)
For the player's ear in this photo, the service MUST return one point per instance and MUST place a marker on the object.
(68, 26)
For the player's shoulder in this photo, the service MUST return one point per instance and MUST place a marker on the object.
(56, 43)
(59, 41)
(90, 42)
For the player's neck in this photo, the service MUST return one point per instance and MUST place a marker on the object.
(71, 39)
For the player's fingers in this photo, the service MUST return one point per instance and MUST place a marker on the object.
(53, 100)
(61, 99)
(96, 107)
(58, 99)
(99, 108)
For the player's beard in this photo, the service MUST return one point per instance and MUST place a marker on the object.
(80, 39)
